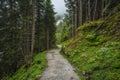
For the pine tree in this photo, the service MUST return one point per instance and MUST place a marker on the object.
(40, 35)
(25, 25)
(10, 42)
(49, 20)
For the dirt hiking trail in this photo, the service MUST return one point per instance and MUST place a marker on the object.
(58, 67)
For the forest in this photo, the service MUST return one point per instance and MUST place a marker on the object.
(88, 33)
(26, 28)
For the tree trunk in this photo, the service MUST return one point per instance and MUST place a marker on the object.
(95, 9)
(47, 38)
(33, 29)
(89, 10)
(72, 29)
(81, 11)
(102, 9)
(75, 25)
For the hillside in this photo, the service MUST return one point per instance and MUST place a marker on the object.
(95, 50)
(34, 71)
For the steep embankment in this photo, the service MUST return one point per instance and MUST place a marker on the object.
(95, 50)
(34, 71)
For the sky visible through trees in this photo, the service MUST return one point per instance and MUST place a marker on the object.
(59, 6)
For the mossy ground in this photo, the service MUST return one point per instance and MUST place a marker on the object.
(96, 55)
(34, 71)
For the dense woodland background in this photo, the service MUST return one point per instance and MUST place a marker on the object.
(82, 11)
(28, 27)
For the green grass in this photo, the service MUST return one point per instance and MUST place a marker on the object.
(34, 71)
(95, 56)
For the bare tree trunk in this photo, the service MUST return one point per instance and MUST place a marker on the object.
(89, 10)
(75, 25)
(86, 12)
(102, 9)
(47, 38)
(106, 2)
(73, 21)
(33, 28)
(81, 11)
(72, 25)
(95, 9)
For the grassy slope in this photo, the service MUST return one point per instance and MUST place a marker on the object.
(34, 71)
(96, 55)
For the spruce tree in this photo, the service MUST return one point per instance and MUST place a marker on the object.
(25, 25)
(40, 27)
(49, 20)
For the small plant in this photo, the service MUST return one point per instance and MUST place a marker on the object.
(91, 37)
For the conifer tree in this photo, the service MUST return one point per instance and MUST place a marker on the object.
(40, 35)
(23, 25)
(49, 24)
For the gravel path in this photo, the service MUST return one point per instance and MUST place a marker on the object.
(58, 68)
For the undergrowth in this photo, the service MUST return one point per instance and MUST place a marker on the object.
(34, 71)
(96, 56)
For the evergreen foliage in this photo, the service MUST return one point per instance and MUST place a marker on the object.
(23, 32)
